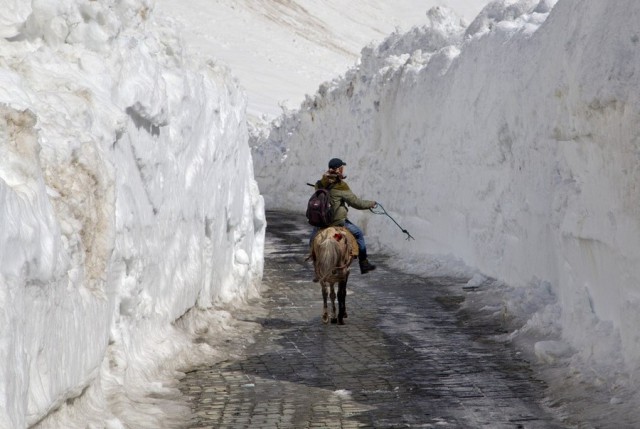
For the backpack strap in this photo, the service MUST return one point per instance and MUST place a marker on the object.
(318, 185)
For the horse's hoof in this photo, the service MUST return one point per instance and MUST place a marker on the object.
(334, 320)
(340, 322)
(325, 320)
(345, 316)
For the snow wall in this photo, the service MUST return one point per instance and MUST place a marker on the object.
(126, 198)
(512, 145)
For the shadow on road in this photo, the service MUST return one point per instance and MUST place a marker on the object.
(404, 359)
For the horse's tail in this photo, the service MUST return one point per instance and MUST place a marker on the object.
(329, 249)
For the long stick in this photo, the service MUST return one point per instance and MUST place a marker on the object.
(384, 212)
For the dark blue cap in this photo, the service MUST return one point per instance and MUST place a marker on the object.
(336, 163)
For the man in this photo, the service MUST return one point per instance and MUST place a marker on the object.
(341, 197)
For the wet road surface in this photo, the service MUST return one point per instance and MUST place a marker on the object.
(404, 359)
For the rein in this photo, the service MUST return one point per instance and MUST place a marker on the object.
(384, 212)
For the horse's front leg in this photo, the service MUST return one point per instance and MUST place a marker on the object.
(334, 318)
(325, 312)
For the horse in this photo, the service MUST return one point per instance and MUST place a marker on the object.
(331, 252)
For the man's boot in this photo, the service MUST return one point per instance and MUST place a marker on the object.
(365, 266)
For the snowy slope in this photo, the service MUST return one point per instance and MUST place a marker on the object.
(127, 199)
(281, 51)
(511, 146)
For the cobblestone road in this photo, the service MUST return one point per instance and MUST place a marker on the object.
(403, 359)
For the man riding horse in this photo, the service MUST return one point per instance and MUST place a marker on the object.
(341, 196)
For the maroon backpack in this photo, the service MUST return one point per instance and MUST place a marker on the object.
(319, 211)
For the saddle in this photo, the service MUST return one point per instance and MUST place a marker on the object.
(352, 241)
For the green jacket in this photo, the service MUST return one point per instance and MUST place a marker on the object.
(341, 197)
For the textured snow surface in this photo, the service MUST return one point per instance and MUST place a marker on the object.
(127, 196)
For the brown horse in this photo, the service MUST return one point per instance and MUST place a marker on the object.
(332, 255)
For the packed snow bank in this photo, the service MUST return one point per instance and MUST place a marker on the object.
(127, 198)
(511, 145)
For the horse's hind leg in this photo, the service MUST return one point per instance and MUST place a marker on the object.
(345, 296)
(342, 304)
(325, 312)
(334, 319)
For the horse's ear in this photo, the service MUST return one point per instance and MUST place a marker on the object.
(337, 236)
